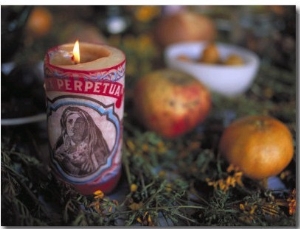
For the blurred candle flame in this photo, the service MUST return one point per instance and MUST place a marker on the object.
(76, 52)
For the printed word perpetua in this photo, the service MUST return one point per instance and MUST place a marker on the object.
(108, 88)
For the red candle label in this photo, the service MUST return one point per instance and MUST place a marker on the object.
(105, 85)
(85, 111)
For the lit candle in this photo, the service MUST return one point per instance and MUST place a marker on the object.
(84, 86)
(76, 53)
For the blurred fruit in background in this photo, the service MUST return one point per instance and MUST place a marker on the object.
(184, 26)
(234, 59)
(210, 54)
(39, 22)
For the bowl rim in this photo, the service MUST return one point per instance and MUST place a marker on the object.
(252, 57)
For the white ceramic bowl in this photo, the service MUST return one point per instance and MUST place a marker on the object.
(226, 80)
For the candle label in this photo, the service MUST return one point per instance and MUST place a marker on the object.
(85, 114)
(98, 83)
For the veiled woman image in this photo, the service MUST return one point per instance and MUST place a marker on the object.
(80, 149)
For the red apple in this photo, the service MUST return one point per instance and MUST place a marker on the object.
(184, 26)
(170, 102)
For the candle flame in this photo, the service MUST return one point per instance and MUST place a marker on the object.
(76, 52)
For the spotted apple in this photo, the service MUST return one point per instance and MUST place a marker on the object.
(170, 102)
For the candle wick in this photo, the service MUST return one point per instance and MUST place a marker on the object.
(73, 59)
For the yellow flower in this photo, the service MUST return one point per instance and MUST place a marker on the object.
(270, 209)
(133, 187)
(139, 219)
(252, 209)
(242, 207)
(285, 174)
(231, 168)
(211, 183)
(130, 145)
(136, 206)
(237, 175)
(168, 187)
(98, 194)
(230, 181)
(149, 220)
(223, 186)
(146, 13)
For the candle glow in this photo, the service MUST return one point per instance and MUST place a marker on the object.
(76, 52)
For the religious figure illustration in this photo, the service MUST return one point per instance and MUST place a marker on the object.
(81, 148)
